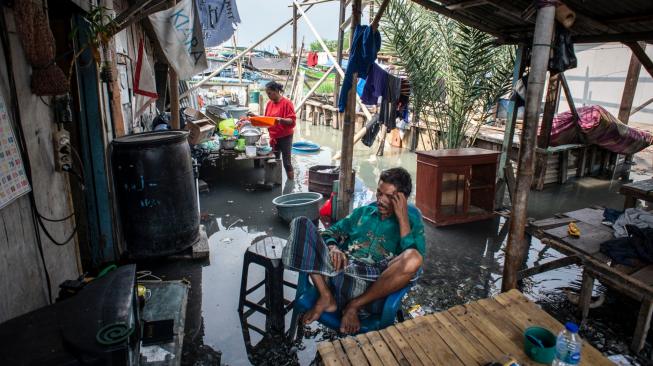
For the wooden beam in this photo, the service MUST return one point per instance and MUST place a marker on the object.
(379, 15)
(340, 45)
(544, 138)
(314, 88)
(630, 87)
(466, 4)
(517, 244)
(243, 53)
(367, 113)
(641, 56)
(549, 266)
(643, 325)
(621, 37)
(135, 13)
(627, 97)
(173, 84)
(642, 106)
(346, 188)
(459, 17)
(511, 121)
(550, 106)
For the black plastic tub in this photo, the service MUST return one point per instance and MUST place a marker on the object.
(320, 180)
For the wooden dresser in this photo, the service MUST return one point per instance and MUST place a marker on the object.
(456, 185)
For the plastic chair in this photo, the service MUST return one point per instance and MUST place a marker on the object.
(307, 295)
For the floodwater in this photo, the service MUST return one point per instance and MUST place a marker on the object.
(463, 262)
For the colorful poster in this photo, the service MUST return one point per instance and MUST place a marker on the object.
(13, 180)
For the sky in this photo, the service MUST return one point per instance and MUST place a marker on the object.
(260, 17)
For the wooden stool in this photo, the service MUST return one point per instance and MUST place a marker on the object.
(266, 253)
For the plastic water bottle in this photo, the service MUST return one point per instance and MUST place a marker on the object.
(568, 346)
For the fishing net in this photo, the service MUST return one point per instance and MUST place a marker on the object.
(38, 43)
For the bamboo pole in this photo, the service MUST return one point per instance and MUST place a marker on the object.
(346, 188)
(359, 135)
(367, 113)
(294, 85)
(341, 39)
(517, 245)
(313, 89)
(173, 84)
(243, 53)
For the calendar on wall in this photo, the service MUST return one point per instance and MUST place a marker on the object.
(13, 180)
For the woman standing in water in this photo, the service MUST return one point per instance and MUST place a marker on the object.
(281, 133)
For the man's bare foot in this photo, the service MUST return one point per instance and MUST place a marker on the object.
(350, 324)
(323, 304)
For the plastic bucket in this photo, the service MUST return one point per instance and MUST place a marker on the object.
(254, 95)
(250, 151)
(290, 206)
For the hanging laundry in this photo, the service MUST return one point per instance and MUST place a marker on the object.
(360, 87)
(372, 129)
(311, 59)
(323, 59)
(364, 48)
(219, 20)
(404, 99)
(179, 32)
(388, 112)
(375, 85)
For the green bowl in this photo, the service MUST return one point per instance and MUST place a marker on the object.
(535, 351)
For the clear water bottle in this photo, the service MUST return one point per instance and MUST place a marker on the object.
(568, 346)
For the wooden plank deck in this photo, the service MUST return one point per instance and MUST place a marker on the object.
(473, 334)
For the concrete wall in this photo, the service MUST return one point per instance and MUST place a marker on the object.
(600, 76)
(22, 280)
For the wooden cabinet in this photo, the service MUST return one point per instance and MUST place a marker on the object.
(456, 185)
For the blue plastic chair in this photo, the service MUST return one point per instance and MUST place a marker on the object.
(307, 295)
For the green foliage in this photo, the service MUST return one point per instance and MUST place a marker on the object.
(332, 45)
(457, 73)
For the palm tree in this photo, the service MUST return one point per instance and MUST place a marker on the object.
(456, 72)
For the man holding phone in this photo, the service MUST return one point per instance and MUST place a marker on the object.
(375, 251)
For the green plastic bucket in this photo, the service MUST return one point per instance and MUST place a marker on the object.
(254, 95)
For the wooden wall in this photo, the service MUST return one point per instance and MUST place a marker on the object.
(22, 280)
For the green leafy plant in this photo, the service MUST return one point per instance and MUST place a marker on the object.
(98, 32)
(457, 73)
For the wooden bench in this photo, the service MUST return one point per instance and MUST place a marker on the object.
(637, 283)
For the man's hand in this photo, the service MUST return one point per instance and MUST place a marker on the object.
(400, 207)
(338, 258)
(277, 121)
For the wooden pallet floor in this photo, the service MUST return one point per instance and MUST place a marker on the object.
(473, 334)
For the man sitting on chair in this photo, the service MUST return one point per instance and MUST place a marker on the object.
(376, 250)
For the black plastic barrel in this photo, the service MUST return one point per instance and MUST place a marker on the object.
(155, 190)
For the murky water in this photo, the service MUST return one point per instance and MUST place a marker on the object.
(463, 262)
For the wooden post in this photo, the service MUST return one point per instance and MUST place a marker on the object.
(346, 189)
(511, 121)
(173, 84)
(294, 34)
(517, 245)
(543, 140)
(630, 87)
(643, 325)
(341, 41)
